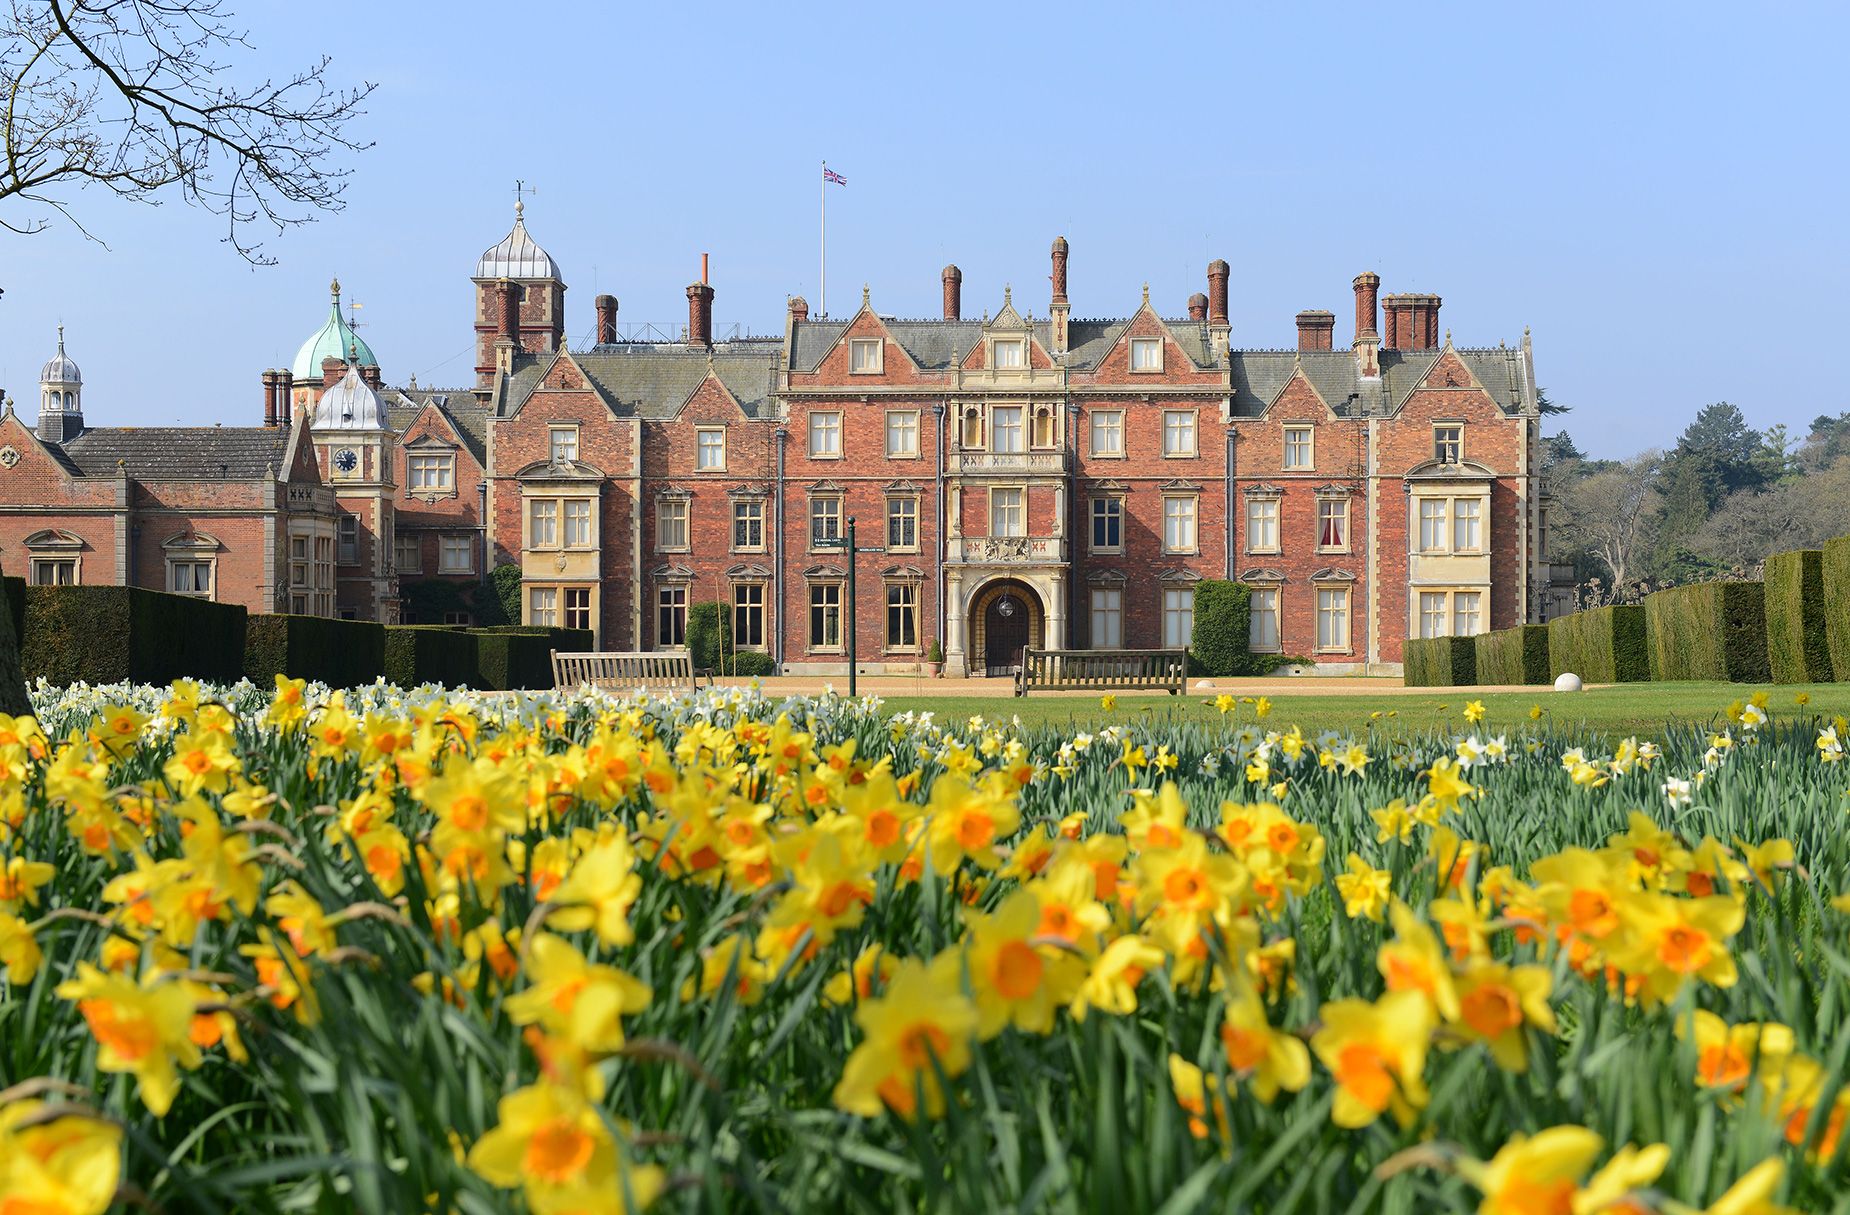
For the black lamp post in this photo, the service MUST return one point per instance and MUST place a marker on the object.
(847, 543)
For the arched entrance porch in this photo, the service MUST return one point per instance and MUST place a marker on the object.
(1004, 616)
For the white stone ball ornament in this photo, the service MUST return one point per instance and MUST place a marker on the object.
(1567, 681)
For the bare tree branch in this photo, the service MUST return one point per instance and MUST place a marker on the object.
(136, 96)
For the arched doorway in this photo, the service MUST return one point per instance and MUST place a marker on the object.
(1005, 616)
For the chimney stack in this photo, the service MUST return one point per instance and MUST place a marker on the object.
(510, 311)
(1315, 328)
(1217, 292)
(1412, 322)
(1367, 339)
(953, 293)
(332, 369)
(369, 375)
(1197, 307)
(285, 387)
(606, 319)
(269, 398)
(1059, 269)
(700, 309)
(1392, 335)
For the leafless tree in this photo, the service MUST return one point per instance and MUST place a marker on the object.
(138, 96)
(1804, 512)
(1611, 514)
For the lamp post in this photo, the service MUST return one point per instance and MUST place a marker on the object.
(847, 544)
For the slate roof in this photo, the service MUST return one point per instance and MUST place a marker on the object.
(467, 412)
(937, 345)
(178, 453)
(653, 379)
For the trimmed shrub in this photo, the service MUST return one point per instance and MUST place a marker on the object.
(339, 653)
(13, 699)
(752, 665)
(709, 634)
(429, 653)
(1439, 662)
(1513, 655)
(16, 605)
(1601, 645)
(105, 634)
(1836, 572)
(505, 579)
(1798, 651)
(512, 659)
(1223, 627)
(1712, 630)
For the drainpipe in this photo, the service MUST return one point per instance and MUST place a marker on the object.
(481, 494)
(1076, 518)
(777, 564)
(937, 413)
(1232, 475)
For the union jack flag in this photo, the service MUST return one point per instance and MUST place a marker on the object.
(829, 174)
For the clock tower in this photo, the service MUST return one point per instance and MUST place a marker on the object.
(357, 450)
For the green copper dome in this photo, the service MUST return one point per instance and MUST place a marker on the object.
(336, 340)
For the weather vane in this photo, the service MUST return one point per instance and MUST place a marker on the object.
(521, 187)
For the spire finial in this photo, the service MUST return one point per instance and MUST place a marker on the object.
(865, 295)
(1007, 291)
(334, 288)
(60, 339)
(1146, 294)
(1448, 337)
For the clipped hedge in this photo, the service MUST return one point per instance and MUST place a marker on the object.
(512, 659)
(13, 700)
(1601, 645)
(1439, 662)
(1223, 628)
(1836, 577)
(106, 634)
(339, 653)
(1710, 630)
(1513, 655)
(429, 653)
(1798, 650)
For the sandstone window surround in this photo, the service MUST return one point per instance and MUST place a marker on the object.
(825, 435)
(1262, 511)
(1449, 611)
(430, 474)
(825, 609)
(902, 615)
(1008, 510)
(1178, 615)
(1107, 515)
(1448, 442)
(1334, 589)
(192, 564)
(866, 356)
(55, 557)
(1333, 518)
(1008, 354)
(1107, 617)
(1107, 434)
(1006, 429)
(578, 607)
(902, 434)
(748, 600)
(349, 533)
(1300, 447)
(1448, 523)
(543, 606)
(408, 552)
(825, 516)
(1263, 633)
(671, 596)
(1147, 355)
(748, 523)
(710, 449)
(1181, 533)
(1179, 433)
(562, 444)
(673, 521)
(456, 553)
(902, 522)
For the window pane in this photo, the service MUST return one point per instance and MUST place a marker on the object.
(1179, 525)
(1107, 620)
(710, 449)
(671, 616)
(825, 434)
(902, 522)
(825, 616)
(1465, 613)
(1465, 524)
(1332, 619)
(1010, 354)
(748, 613)
(1006, 513)
(1108, 433)
(1107, 523)
(1432, 524)
(578, 524)
(824, 519)
(1332, 524)
(1006, 421)
(564, 444)
(1297, 447)
(1263, 634)
(1262, 525)
(902, 434)
(902, 616)
(578, 607)
(748, 524)
(1178, 618)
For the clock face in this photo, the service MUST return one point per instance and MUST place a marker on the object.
(345, 460)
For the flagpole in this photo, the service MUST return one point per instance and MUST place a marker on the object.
(824, 309)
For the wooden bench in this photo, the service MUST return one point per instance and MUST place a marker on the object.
(1102, 670)
(622, 672)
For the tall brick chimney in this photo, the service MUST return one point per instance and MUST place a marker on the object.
(700, 309)
(1059, 269)
(1367, 340)
(606, 319)
(1412, 322)
(1197, 307)
(1315, 328)
(799, 308)
(1219, 330)
(953, 293)
(269, 398)
(369, 375)
(332, 369)
(1391, 327)
(510, 310)
(285, 388)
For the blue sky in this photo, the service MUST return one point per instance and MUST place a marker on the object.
(1658, 191)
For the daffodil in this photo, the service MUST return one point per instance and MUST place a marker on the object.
(1535, 1175)
(1377, 1053)
(921, 1027)
(143, 1029)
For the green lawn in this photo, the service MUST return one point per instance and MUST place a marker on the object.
(1643, 709)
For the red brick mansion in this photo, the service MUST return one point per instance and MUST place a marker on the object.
(1015, 478)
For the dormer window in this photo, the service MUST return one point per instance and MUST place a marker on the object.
(1146, 354)
(1011, 354)
(864, 356)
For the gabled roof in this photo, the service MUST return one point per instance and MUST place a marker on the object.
(178, 453)
(652, 380)
(1260, 375)
(467, 414)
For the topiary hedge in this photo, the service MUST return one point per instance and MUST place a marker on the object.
(1439, 662)
(339, 653)
(1601, 645)
(106, 634)
(1513, 655)
(512, 659)
(13, 700)
(1798, 650)
(505, 579)
(429, 653)
(1835, 571)
(1710, 630)
(1223, 627)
